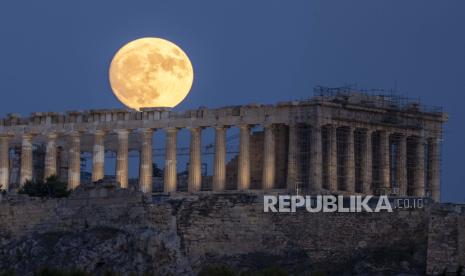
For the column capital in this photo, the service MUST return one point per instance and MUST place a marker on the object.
(52, 135)
(243, 126)
(292, 125)
(269, 125)
(27, 136)
(400, 135)
(99, 132)
(194, 128)
(146, 132)
(386, 131)
(74, 133)
(146, 129)
(122, 131)
(171, 129)
(369, 130)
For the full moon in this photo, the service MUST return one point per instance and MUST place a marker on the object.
(151, 72)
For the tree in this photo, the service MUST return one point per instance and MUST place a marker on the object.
(51, 188)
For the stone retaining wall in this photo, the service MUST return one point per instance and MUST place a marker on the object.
(120, 230)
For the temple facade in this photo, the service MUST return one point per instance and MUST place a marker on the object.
(338, 142)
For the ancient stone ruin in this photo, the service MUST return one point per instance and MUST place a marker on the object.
(341, 141)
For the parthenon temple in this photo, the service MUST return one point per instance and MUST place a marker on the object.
(340, 141)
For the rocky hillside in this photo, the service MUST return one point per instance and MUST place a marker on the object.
(109, 229)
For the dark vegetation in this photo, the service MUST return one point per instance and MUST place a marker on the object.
(226, 271)
(51, 188)
(207, 271)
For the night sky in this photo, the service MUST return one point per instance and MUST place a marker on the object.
(54, 55)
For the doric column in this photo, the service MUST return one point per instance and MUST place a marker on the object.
(367, 163)
(269, 161)
(385, 171)
(293, 150)
(243, 175)
(402, 165)
(146, 162)
(51, 156)
(350, 170)
(434, 168)
(332, 166)
(74, 167)
(419, 180)
(316, 160)
(26, 159)
(4, 162)
(98, 156)
(122, 157)
(170, 160)
(219, 170)
(195, 160)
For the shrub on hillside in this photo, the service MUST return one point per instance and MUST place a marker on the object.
(51, 188)
(216, 270)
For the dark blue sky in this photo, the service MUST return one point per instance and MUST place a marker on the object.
(54, 55)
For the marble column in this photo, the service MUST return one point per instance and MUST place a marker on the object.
(146, 161)
(434, 168)
(402, 165)
(26, 159)
(269, 160)
(332, 166)
(384, 147)
(219, 170)
(195, 161)
(170, 160)
(51, 156)
(74, 167)
(122, 157)
(350, 170)
(419, 179)
(4, 162)
(293, 151)
(367, 163)
(243, 174)
(98, 156)
(316, 160)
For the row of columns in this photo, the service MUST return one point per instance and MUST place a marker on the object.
(146, 168)
(316, 162)
(244, 171)
(74, 159)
